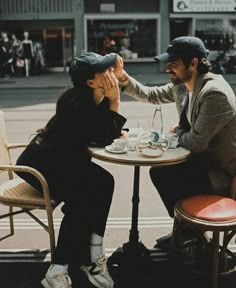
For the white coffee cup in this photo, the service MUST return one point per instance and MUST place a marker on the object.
(119, 144)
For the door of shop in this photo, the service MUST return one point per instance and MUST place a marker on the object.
(58, 47)
(179, 27)
(54, 47)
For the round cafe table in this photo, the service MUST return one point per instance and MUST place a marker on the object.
(169, 157)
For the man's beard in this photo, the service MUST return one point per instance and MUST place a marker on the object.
(178, 80)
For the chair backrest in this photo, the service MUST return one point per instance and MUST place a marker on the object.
(233, 188)
(4, 152)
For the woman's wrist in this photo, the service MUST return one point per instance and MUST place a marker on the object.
(115, 105)
(115, 100)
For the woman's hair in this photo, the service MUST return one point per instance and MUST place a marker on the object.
(75, 98)
(80, 79)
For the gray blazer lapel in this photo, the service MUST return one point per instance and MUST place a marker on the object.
(183, 121)
(196, 91)
(183, 100)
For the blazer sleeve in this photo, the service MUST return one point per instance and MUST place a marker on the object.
(215, 111)
(154, 95)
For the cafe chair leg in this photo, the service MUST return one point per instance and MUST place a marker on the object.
(215, 259)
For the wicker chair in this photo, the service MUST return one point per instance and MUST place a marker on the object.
(209, 213)
(15, 192)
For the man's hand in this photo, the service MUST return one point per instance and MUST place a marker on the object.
(173, 128)
(119, 71)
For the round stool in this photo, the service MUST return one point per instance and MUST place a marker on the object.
(212, 213)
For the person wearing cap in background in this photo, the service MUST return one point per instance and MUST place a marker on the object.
(86, 115)
(207, 123)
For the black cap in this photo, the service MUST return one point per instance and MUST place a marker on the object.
(184, 47)
(88, 63)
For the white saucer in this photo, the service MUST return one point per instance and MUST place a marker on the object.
(110, 149)
(149, 152)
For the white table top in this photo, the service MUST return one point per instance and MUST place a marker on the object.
(169, 157)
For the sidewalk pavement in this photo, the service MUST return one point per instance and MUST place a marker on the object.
(62, 80)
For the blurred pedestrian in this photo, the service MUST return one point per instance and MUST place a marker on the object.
(6, 57)
(108, 45)
(16, 48)
(38, 63)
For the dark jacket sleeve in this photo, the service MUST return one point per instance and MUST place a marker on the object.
(82, 124)
(106, 125)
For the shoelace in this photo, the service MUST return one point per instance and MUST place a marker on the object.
(65, 280)
(101, 263)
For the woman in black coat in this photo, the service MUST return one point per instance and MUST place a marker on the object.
(86, 115)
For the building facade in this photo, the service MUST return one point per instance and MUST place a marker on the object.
(137, 30)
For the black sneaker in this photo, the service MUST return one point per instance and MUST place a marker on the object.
(164, 242)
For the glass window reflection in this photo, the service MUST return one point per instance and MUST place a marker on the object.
(130, 38)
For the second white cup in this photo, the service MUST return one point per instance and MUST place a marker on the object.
(172, 140)
(119, 144)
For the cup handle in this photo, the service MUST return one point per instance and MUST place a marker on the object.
(166, 143)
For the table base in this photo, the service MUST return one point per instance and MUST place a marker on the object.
(132, 266)
(157, 269)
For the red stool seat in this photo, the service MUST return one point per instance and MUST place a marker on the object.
(209, 207)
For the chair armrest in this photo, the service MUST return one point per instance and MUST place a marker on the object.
(36, 173)
(16, 145)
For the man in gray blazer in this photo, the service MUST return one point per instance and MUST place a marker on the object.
(206, 106)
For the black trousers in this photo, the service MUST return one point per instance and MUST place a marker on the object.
(177, 182)
(87, 195)
(87, 203)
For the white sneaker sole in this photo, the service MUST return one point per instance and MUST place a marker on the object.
(45, 283)
(91, 279)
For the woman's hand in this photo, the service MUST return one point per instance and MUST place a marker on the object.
(110, 85)
(111, 89)
(123, 134)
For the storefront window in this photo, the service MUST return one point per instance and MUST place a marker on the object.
(210, 31)
(233, 32)
(131, 38)
(220, 38)
(215, 34)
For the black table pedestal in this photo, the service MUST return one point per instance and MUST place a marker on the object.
(131, 259)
